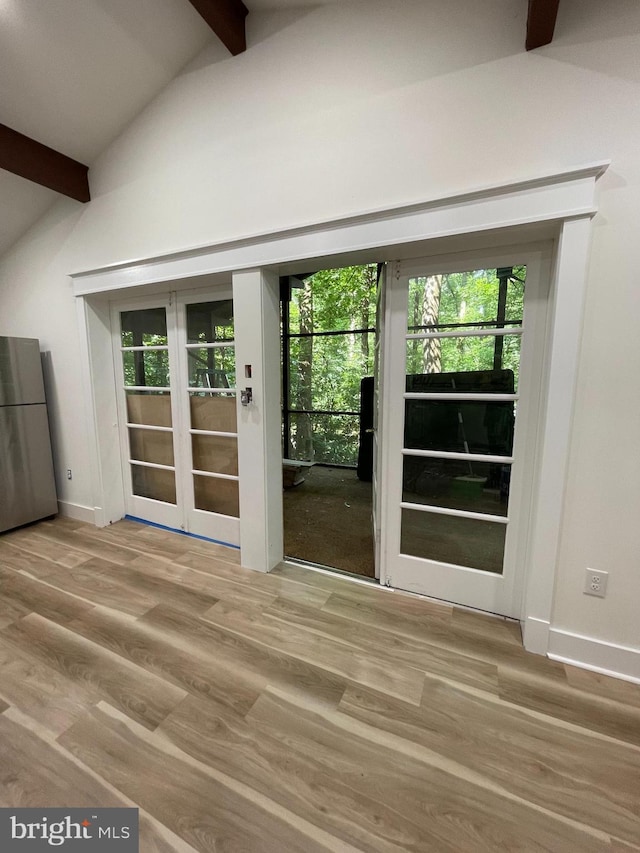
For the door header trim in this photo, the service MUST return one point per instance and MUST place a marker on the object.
(557, 196)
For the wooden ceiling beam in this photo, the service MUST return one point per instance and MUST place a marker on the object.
(226, 19)
(36, 162)
(541, 22)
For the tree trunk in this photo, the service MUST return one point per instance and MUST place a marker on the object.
(365, 305)
(431, 355)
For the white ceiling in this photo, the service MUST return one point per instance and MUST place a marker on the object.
(74, 73)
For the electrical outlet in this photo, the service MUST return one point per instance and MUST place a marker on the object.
(596, 583)
(69, 475)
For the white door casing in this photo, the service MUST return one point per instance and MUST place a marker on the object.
(256, 297)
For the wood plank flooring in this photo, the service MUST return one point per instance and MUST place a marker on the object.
(293, 711)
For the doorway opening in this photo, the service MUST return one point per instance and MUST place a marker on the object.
(328, 354)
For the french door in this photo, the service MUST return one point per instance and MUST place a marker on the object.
(174, 361)
(462, 384)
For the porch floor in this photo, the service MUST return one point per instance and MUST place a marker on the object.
(327, 520)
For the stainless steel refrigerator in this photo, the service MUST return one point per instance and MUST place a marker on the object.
(27, 485)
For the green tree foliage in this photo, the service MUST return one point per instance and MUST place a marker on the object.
(325, 371)
(466, 299)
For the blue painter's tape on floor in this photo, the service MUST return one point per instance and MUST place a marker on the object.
(181, 532)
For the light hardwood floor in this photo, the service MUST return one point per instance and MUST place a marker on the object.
(293, 711)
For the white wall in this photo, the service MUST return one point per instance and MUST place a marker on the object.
(360, 105)
(36, 301)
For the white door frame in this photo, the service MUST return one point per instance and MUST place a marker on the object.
(498, 593)
(256, 305)
(566, 201)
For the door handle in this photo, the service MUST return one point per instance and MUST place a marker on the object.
(369, 431)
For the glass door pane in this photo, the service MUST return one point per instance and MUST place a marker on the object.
(213, 443)
(144, 353)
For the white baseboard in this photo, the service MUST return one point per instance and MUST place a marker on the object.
(535, 635)
(595, 655)
(77, 511)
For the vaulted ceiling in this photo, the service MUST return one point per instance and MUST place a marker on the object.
(74, 73)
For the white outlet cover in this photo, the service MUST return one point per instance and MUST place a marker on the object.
(596, 583)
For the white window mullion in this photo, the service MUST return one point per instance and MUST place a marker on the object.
(143, 348)
(150, 427)
(213, 432)
(463, 457)
(458, 513)
(213, 345)
(151, 388)
(460, 397)
(152, 465)
(205, 390)
(214, 474)
(467, 333)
